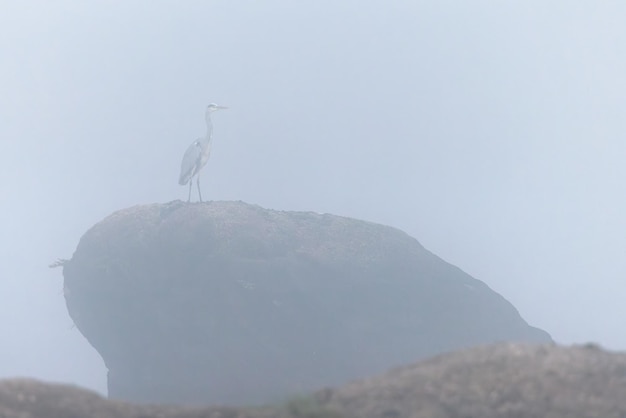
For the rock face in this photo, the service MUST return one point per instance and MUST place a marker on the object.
(29, 398)
(230, 303)
(502, 380)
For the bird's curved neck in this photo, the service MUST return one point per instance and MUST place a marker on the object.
(209, 125)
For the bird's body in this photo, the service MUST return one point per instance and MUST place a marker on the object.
(194, 159)
(198, 154)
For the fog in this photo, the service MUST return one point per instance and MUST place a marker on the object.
(493, 132)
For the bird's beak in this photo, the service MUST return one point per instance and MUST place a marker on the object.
(222, 107)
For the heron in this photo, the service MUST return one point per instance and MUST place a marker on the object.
(198, 154)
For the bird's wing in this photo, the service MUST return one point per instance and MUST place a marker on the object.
(191, 161)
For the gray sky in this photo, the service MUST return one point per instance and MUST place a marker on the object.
(493, 132)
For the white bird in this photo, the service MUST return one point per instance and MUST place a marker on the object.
(198, 154)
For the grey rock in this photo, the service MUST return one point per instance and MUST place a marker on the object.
(494, 381)
(231, 303)
(502, 380)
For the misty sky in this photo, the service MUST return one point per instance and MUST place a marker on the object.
(493, 132)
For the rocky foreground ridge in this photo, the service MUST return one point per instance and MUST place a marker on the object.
(231, 303)
(502, 380)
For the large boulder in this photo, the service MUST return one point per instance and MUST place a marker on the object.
(226, 302)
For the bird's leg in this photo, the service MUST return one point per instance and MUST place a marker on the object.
(189, 196)
(198, 183)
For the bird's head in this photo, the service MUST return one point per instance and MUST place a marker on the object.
(214, 107)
